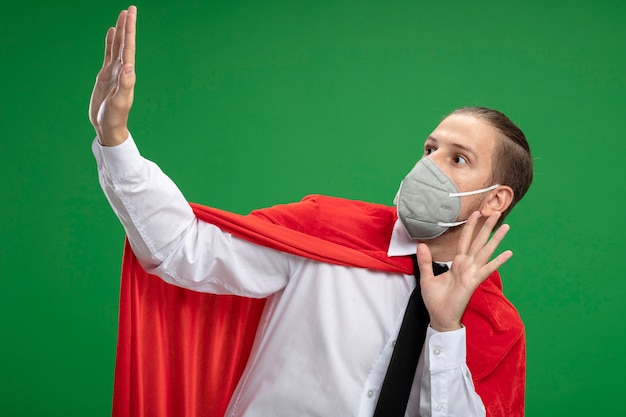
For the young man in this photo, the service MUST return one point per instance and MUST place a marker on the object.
(328, 331)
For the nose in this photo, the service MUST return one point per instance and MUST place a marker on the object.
(439, 159)
(436, 157)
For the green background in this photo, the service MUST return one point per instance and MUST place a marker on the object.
(247, 104)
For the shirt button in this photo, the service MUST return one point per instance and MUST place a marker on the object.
(439, 407)
(370, 393)
(437, 351)
(393, 343)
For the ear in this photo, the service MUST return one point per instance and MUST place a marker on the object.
(497, 200)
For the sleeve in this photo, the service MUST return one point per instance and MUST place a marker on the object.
(503, 389)
(446, 387)
(170, 242)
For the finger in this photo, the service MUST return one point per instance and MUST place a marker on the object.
(485, 253)
(118, 38)
(496, 263)
(128, 45)
(483, 235)
(424, 261)
(108, 46)
(467, 234)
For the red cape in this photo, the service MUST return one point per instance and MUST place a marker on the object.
(182, 352)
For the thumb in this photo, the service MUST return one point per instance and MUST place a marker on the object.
(113, 118)
(126, 80)
(424, 261)
(122, 96)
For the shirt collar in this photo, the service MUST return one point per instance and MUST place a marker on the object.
(401, 245)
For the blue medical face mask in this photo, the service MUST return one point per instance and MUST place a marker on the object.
(429, 202)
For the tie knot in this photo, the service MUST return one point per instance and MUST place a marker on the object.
(438, 269)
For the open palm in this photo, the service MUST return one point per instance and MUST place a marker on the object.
(446, 296)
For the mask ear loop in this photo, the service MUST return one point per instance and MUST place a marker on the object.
(464, 194)
(442, 224)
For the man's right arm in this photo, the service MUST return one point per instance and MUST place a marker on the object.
(165, 235)
(152, 210)
(168, 239)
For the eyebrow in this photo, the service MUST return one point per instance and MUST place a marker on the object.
(456, 145)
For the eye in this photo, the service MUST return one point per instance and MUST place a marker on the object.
(428, 149)
(460, 160)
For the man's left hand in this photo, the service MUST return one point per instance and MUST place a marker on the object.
(446, 296)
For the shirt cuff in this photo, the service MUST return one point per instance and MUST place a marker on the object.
(446, 350)
(119, 161)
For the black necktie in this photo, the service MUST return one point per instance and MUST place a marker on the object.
(394, 394)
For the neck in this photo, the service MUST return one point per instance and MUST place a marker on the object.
(444, 247)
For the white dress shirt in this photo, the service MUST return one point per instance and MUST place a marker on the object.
(327, 333)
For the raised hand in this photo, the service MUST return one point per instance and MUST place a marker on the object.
(446, 296)
(112, 96)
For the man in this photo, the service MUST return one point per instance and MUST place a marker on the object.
(327, 334)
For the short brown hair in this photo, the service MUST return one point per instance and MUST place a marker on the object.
(512, 161)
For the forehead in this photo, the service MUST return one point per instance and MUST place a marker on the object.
(466, 131)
